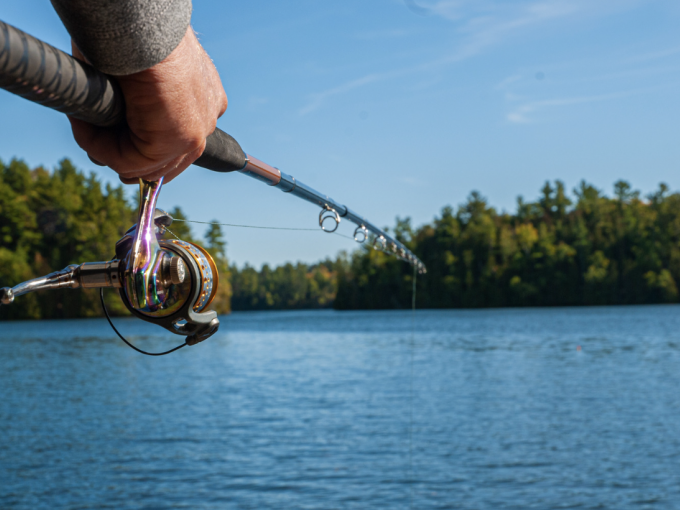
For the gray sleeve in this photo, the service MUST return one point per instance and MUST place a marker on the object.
(125, 36)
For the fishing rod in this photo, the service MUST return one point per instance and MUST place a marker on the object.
(167, 282)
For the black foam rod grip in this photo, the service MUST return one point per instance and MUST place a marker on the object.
(222, 153)
(45, 75)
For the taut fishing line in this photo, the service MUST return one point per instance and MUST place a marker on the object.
(244, 226)
(257, 226)
(260, 227)
(411, 342)
(410, 424)
(108, 317)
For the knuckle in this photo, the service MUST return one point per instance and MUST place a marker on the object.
(196, 143)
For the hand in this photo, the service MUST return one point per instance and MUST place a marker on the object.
(171, 109)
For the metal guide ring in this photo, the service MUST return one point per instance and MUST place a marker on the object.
(328, 213)
(361, 231)
(380, 240)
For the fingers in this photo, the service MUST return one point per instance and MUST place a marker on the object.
(175, 167)
(186, 163)
(174, 173)
(114, 148)
(99, 143)
(168, 172)
(98, 163)
(125, 180)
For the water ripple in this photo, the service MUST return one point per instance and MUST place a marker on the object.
(512, 409)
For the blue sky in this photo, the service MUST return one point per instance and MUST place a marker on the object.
(400, 107)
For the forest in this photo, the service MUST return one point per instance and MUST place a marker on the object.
(564, 249)
(557, 251)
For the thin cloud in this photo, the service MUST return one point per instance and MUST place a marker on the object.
(486, 31)
(508, 81)
(481, 25)
(320, 98)
(386, 34)
(415, 8)
(656, 55)
(521, 114)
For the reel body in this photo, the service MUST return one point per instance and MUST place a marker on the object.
(166, 282)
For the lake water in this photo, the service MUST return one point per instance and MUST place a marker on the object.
(491, 409)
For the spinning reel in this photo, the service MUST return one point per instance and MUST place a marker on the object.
(165, 282)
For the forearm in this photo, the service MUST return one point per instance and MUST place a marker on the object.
(122, 37)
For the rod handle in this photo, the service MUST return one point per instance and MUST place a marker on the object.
(45, 75)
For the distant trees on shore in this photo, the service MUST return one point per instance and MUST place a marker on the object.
(592, 250)
(286, 287)
(584, 249)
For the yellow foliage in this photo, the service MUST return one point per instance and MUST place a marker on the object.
(526, 236)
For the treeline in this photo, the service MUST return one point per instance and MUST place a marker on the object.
(287, 287)
(583, 249)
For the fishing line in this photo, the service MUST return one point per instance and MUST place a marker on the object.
(108, 318)
(410, 424)
(343, 235)
(259, 227)
(244, 226)
(412, 341)
(173, 234)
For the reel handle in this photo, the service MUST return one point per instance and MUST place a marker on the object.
(41, 73)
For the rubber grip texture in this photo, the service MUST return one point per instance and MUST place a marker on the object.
(41, 73)
(222, 153)
(45, 75)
